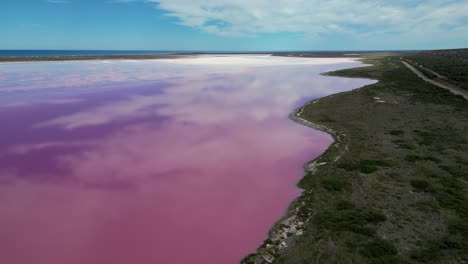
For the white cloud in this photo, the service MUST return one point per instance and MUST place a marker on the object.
(247, 17)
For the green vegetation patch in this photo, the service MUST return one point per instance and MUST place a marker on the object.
(334, 184)
(407, 157)
(421, 186)
(370, 166)
(345, 205)
(452, 64)
(379, 248)
(397, 132)
(415, 158)
(355, 221)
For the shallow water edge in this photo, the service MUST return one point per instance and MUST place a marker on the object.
(286, 230)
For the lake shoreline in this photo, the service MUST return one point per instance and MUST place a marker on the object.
(5, 59)
(131, 157)
(394, 186)
(286, 230)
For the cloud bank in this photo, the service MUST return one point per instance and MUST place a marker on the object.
(313, 17)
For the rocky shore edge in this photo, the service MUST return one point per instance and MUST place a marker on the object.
(285, 232)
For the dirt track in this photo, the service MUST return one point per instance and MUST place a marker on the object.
(453, 88)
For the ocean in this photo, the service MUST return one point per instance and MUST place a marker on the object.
(47, 53)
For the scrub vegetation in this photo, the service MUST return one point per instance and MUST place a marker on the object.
(453, 64)
(393, 187)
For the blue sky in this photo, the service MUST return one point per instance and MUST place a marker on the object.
(234, 25)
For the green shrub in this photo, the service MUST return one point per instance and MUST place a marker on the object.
(407, 146)
(459, 227)
(436, 249)
(388, 260)
(362, 230)
(427, 138)
(368, 169)
(348, 165)
(397, 132)
(453, 200)
(327, 120)
(353, 221)
(426, 206)
(344, 205)
(375, 217)
(452, 196)
(433, 159)
(454, 243)
(379, 248)
(370, 166)
(456, 172)
(403, 144)
(421, 186)
(412, 158)
(334, 184)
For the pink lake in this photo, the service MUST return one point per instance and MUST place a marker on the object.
(159, 161)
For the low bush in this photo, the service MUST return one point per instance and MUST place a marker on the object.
(397, 132)
(388, 260)
(344, 205)
(334, 184)
(421, 186)
(370, 166)
(355, 221)
(375, 217)
(414, 158)
(379, 248)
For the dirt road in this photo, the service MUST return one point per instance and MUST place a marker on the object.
(453, 88)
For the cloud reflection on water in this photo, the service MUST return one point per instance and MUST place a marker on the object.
(128, 170)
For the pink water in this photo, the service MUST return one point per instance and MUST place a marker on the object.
(188, 161)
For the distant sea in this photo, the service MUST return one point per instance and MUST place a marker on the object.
(47, 53)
